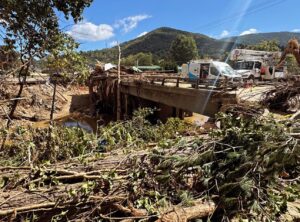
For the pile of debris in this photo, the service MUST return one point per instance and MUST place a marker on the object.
(284, 97)
(103, 189)
(35, 102)
(110, 70)
(247, 169)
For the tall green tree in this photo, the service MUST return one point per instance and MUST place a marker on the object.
(31, 27)
(183, 49)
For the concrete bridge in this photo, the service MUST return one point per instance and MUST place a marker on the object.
(204, 101)
(174, 98)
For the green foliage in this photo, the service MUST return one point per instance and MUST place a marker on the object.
(292, 65)
(239, 166)
(142, 59)
(104, 55)
(169, 65)
(138, 131)
(249, 167)
(252, 155)
(183, 49)
(266, 45)
(32, 26)
(65, 60)
(158, 43)
(64, 143)
(253, 39)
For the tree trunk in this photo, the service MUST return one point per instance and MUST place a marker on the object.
(15, 101)
(53, 102)
(22, 81)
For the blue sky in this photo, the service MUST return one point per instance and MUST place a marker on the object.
(106, 22)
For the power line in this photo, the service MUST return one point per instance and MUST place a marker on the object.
(252, 10)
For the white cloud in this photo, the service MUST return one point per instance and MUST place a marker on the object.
(91, 32)
(113, 43)
(224, 34)
(142, 34)
(296, 30)
(249, 31)
(129, 23)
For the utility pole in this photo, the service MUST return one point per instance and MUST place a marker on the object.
(118, 86)
(53, 99)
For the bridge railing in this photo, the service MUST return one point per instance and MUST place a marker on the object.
(162, 79)
(196, 83)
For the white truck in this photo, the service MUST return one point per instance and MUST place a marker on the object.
(208, 70)
(252, 64)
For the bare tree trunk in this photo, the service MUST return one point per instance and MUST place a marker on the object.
(50, 130)
(118, 86)
(53, 102)
(22, 81)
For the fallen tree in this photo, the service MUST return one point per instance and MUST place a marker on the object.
(247, 169)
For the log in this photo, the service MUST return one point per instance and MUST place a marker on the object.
(180, 214)
(58, 204)
(102, 187)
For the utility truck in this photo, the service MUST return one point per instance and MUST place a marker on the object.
(210, 73)
(252, 64)
(208, 70)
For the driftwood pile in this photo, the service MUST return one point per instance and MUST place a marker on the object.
(284, 97)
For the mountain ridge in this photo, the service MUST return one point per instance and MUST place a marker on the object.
(158, 42)
(250, 39)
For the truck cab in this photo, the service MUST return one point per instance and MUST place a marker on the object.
(252, 64)
(248, 69)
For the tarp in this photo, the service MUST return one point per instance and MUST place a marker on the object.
(109, 66)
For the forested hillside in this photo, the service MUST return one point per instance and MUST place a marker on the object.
(253, 39)
(158, 43)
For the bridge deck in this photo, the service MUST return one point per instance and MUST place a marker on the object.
(204, 101)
